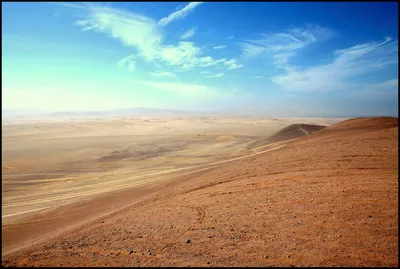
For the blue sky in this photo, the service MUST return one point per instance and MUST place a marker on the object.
(279, 59)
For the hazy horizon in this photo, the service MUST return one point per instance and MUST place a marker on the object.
(162, 112)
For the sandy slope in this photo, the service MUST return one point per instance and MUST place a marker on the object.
(329, 198)
(45, 165)
(292, 131)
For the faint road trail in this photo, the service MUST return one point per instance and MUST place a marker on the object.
(304, 131)
(143, 180)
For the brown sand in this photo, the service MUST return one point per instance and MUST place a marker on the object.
(327, 199)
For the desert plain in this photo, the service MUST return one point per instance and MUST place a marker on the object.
(200, 191)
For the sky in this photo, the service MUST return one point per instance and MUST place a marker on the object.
(277, 59)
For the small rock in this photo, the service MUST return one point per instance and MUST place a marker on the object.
(289, 256)
(149, 252)
(188, 241)
(266, 257)
(131, 252)
(208, 262)
(94, 259)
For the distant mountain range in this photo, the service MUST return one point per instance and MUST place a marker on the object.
(116, 112)
(37, 115)
(12, 115)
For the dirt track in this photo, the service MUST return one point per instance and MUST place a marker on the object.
(131, 182)
(46, 165)
(9, 245)
(328, 199)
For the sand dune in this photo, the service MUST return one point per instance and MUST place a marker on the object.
(292, 131)
(329, 198)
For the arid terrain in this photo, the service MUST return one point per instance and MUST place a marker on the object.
(201, 192)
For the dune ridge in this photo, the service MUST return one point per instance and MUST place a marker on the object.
(292, 131)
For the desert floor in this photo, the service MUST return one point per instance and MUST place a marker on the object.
(188, 191)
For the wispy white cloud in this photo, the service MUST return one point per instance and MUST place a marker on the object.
(232, 64)
(282, 58)
(129, 62)
(250, 50)
(215, 76)
(386, 90)
(162, 74)
(180, 14)
(179, 7)
(143, 34)
(219, 47)
(283, 45)
(347, 65)
(72, 5)
(230, 37)
(131, 29)
(189, 33)
(186, 55)
(257, 77)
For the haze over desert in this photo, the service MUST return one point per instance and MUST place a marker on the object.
(199, 134)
